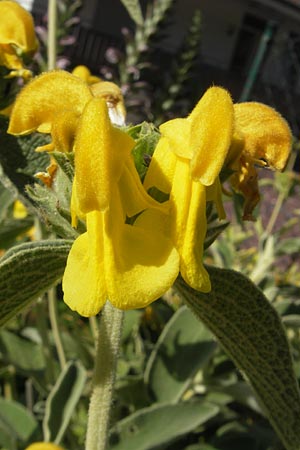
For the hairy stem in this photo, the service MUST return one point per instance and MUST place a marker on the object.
(109, 336)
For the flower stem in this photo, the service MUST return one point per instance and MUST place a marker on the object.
(55, 327)
(42, 327)
(52, 20)
(109, 337)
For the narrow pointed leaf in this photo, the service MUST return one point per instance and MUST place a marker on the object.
(62, 401)
(184, 347)
(27, 271)
(251, 332)
(134, 10)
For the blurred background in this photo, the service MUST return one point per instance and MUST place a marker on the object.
(251, 47)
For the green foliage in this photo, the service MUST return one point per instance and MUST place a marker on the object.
(158, 425)
(252, 334)
(181, 383)
(134, 9)
(183, 348)
(16, 424)
(27, 271)
(62, 401)
(19, 170)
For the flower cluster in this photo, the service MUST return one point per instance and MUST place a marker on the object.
(135, 246)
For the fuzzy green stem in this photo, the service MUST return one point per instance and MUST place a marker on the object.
(52, 20)
(55, 327)
(109, 337)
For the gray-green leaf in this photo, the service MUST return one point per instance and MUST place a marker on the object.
(184, 347)
(62, 401)
(150, 428)
(251, 332)
(27, 271)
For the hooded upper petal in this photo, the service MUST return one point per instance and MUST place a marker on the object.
(205, 136)
(100, 154)
(266, 134)
(44, 98)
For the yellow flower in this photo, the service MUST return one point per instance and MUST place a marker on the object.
(131, 265)
(262, 137)
(65, 96)
(186, 164)
(84, 73)
(43, 446)
(107, 90)
(17, 36)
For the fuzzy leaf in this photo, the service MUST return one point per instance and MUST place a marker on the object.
(251, 332)
(27, 271)
(154, 427)
(17, 420)
(183, 348)
(62, 401)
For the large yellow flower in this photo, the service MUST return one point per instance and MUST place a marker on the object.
(190, 155)
(130, 265)
(186, 164)
(17, 36)
(65, 96)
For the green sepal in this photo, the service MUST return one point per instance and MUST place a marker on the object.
(27, 271)
(146, 137)
(251, 332)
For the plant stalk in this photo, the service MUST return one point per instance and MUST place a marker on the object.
(109, 337)
(52, 23)
(55, 327)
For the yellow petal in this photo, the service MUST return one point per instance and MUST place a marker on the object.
(177, 132)
(16, 26)
(63, 131)
(19, 211)
(134, 197)
(214, 194)
(43, 446)
(180, 201)
(8, 57)
(191, 252)
(84, 283)
(100, 154)
(266, 134)
(188, 212)
(162, 167)
(211, 132)
(143, 266)
(244, 180)
(48, 95)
